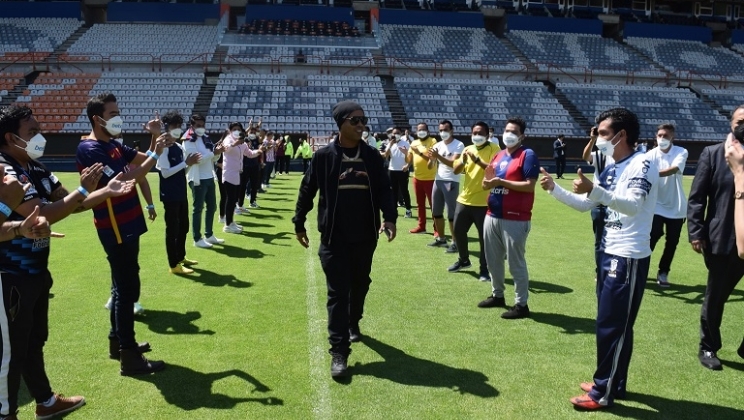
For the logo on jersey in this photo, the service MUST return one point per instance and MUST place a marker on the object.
(613, 268)
(612, 220)
(639, 184)
(500, 191)
(503, 165)
(47, 185)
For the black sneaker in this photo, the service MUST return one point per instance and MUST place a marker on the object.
(355, 335)
(438, 242)
(493, 302)
(459, 265)
(516, 312)
(338, 365)
(484, 276)
(709, 360)
(452, 249)
(409, 214)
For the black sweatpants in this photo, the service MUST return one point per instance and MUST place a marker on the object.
(223, 191)
(399, 183)
(673, 230)
(724, 273)
(347, 267)
(232, 193)
(176, 230)
(254, 182)
(25, 329)
(244, 181)
(465, 217)
(125, 290)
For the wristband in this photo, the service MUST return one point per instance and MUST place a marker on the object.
(4, 209)
(152, 155)
(82, 191)
(150, 207)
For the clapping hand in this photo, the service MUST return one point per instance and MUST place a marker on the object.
(90, 176)
(37, 227)
(582, 185)
(11, 190)
(735, 156)
(154, 126)
(546, 182)
(193, 159)
(116, 187)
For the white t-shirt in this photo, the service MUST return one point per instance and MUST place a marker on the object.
(672, 201)
(397, 156)
(444, 172)
(204, 169)
(600, 162)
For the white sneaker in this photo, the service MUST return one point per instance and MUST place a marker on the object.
(214, 240)
(238, 211)
(236, 226)
(201, 243)
(138, 309)
(231, 229)
(108, 304)
(222, 220)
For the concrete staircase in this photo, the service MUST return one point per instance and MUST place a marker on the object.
(63, 47)
(574, 112)
(392, 96)
(206, 92)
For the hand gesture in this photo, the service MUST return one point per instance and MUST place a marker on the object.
(90, 176)
(593, 134)
(160, 143)
(390, 228)
(11, 190)
(489, 173)
(582, 185)
(546, 182)
(405, 167)
(36, 227)
(153, 126)
(152, 214)
(116, 187)
(219, 148)
(735, 156)
(698, 245)
(193, 159)
(302, 238)
(434, 153)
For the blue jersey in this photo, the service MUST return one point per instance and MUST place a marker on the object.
(507, 204)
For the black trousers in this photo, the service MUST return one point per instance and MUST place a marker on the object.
(283, 163)
(305, 164)
(26, 324)
(673, 230)
(599, 214)
(245, 178)
(232, 193)
(223, 192)
(560, 166)
(176, 230)
(724, 273)
(399, 183)
(465, 217)
(347, 267)
(254, 183)
(125, 290)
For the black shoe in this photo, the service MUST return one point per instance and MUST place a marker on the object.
(459, 265)
(355, 335)
(740, 352)
(452, 249)
(709, 360)
(438, 242)
(484, 276)
(134, 363)
(114, 348)
(516, 312)
(338, 365)
(493, 302)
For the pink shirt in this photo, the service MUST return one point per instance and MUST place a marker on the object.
(232, 161)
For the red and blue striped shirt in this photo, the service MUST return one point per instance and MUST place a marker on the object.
(507, 204)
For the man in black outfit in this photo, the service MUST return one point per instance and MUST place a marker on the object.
(354, 188)
(559, 154)
(711, 233)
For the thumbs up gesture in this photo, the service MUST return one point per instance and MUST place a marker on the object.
(546, 182)
(582, 185)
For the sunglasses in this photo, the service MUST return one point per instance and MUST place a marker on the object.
(357, 120)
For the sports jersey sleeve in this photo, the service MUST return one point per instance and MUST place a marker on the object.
(128, 153)
(680, 160)
(31, 192)
(575, 201)
(531, 168)
(639, 179)
(88, 153)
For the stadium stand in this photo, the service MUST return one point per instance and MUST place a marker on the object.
(298, 106)
(34, 35)
(8, 81)
(693, 118)
(466, 101)
(312, 54)
(727, 99)
(692, 56)
(298, 27)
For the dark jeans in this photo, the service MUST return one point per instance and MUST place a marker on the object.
(399, 183)
(176, 229)
(204, 193)
(673, 230)
(231, 192)
(560, 166)
(254, 183)
(223, 192)
(26, 325)
(465, 217)
(305, 164)
(283, 164)
(347, 267)
(268, 169)
(125, 290)
(724, 273)
(244, 181)
(599, 214)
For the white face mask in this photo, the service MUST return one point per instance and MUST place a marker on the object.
(445, 135)
(200, 131)
(605, 146)
(422, 134)
(176, 133)
(664, 143)
(114, 125)
(251, 137)
(236, 134)
(34, 147)
(365, 134)
(478, 140)
(510, 139)
(397, 137)
(119, 140)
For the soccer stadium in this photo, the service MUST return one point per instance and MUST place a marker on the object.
(244, 337)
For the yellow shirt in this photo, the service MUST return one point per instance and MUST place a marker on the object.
(472, 193)
(421, 170)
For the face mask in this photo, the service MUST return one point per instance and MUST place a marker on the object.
(445, 135)
(34, 147)
(365, 134)
(251, 137)
(176, 133)
(200, 131)
(510, 139)
(397, 137)
(605, 146)
(236, 134)
(114, 125)
(478, 140)
(663, 143)
(423, 134)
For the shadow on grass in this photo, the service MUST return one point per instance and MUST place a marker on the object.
(666, 408)
(543, 287)
(733, 365)
(212, 279)
(237, 252)
(247, 224)
(405, 369)
(569, 324)
(188, 389)
(274, 209)
(268, 238)
(169, 322)
(266, 216)
(688, 294)
(277, 198)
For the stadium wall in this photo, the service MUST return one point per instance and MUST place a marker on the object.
(679, 32)
(277, 12)
(430, 18)
(17, 9)
(737, 36)
(161, 12)
(546, 24)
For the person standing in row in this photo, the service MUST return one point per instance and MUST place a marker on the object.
(446, 184)
(235, 150)
(270, 146)
(559, 155)
(424, 174)
(599, 161)
(288, 153)
(306, 152)
(395, 152)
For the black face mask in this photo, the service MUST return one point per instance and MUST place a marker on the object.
(739, 132)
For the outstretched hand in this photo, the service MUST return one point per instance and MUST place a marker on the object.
(582, 185)
(546, 182)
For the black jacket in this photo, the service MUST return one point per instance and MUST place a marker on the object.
(323, 175)
(710, 208)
